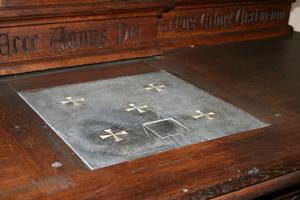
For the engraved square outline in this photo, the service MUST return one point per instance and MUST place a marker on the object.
(167, 119)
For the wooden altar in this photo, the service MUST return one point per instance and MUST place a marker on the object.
(257, 71)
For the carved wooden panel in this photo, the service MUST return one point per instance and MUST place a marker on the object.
(196, 24)
(37, 35)
(64, 43)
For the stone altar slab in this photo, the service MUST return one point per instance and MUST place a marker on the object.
(111, 121)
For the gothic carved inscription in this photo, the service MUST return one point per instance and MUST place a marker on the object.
(17, 44)
(205, 20)
(23, 43)
(62, 38)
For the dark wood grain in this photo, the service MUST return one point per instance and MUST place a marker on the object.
(259, 77)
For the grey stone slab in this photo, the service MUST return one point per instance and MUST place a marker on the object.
(104, 128)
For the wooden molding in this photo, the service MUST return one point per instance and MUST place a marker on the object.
(36, 36)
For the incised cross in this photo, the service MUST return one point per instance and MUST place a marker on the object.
(133, 107)
(152, 86)
(201, 115)
(73, 101)
(116, 136)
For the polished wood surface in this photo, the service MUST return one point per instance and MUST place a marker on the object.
(260, 77)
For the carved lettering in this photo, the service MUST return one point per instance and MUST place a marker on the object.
(83, 38)
(26, 44)
(215, 20)
(244, 17)
(180, 24)
(72, 40)
(34, 40)
(93, 37)
(58, 40)
(128, 34)
(63, 39)
(16, 44)
(4, 44)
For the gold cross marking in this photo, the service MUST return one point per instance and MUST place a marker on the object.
(116, 136)
(152, 86)
(133, 107)
(201, 115)
(74, 102)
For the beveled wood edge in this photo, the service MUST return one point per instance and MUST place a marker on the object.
(7, 4)
(68, 10)
(73, 19)
(96, 72)
(183, 4)
(81, 9)
(22, 3)
(251, 186)
(264, 188)
(44, 64)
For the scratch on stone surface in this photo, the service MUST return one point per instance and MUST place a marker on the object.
(146, 132)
